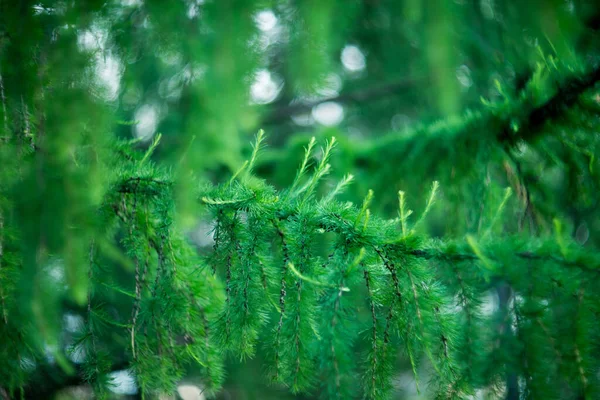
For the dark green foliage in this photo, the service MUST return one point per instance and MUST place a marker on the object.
(425, 298)
(305, 271)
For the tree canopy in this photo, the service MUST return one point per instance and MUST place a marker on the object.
(299, 199)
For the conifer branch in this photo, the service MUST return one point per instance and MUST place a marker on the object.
(466, 306)
(138, 288)
(89, 299)
(578, 354)
(281, 112)
(256, 146)
(354, 228)
(479, 129)
(391, 268)
(3, 100)
(302, 170)
(299, 308)
(282, 296)
(373, 357)
(319, 309)
(2, 294)
(296, 340)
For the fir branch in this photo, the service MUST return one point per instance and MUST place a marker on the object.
(391, 268)
(302, 170)
(373, 359)
(434, 188)
(481, 128)
(282, 296)
(296, 339)
(3, 100)
(392, 88)
(153, 146)
(468, 308)
(89, 299)
(321, 170)
(138, 289)
(578, 353)
(420, 319)
(339, 188)
(256, 146)
(558, 356)
(403, 213)
(248, 213)
(533, 254)
(333, 323)
(2, 294)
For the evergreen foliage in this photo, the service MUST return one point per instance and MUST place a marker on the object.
(316, 271)
(424, 296)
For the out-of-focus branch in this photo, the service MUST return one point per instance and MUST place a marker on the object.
(52, 380)
(282, 112)
(474, 130)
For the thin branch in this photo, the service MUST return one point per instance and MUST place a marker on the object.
(281, 113)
